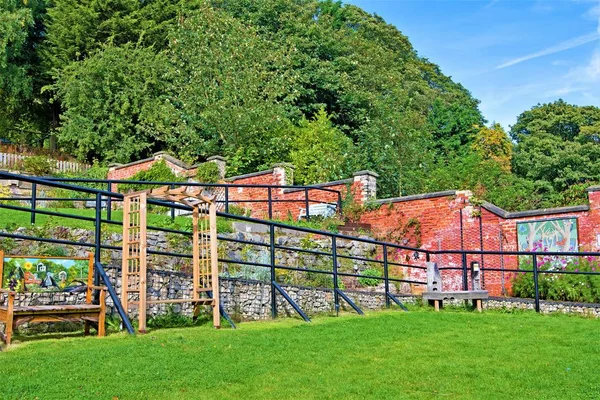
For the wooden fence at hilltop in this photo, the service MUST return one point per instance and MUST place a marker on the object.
(14, 162)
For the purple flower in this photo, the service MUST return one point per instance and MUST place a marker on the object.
(576, 269)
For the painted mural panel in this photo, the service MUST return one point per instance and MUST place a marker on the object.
(548, 235)
(44, 274)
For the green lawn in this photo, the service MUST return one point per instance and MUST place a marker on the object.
(14, 218)
(394, 355)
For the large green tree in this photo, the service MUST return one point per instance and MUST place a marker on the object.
(24, 113)
(115, 102)
(238, 77)
(557, 145)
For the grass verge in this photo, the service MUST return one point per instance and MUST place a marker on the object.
(394, 355)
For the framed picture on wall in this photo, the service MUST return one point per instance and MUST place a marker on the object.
(550, 235)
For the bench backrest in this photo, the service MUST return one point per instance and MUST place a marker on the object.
(39, 274)
(434, 278)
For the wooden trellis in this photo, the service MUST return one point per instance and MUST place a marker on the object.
(205, 287)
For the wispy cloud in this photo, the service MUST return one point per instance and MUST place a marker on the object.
(566, 45)
(490, 4)
(583, 79)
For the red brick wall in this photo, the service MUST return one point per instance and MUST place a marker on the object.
(128, 171)
(287, 202)
(440, 223)
(439, 220)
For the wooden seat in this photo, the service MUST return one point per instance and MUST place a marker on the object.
(53, 309)
(438, 297)
(91, 314)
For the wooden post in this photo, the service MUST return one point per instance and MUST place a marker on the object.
(143, 247)
(1, 268)
(9, 317)
(214, 261)
(102, 316)
(90, 281)
(125, 253)
(436, 305)
(195, 257)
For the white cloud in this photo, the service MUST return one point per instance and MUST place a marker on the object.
(566, 45)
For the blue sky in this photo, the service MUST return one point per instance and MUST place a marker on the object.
(510, 54)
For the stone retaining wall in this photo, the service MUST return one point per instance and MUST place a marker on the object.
(247, 300)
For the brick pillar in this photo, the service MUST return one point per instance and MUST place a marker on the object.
(284, 173)
(366, 183)
(594, 200)
(112, 174)
(221, 164)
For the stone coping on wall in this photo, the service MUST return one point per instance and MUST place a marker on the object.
(321, 185)
(165, 156)
(416, 197)
(366, 172)
(250, 175)
(533, 213)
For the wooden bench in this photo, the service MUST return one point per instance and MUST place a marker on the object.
(91, 314)
(436, 295)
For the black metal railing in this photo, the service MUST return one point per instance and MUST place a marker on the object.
(382, 249)
(535, 269)
(102, 197)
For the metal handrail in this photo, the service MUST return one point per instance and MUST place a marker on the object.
(102, 195)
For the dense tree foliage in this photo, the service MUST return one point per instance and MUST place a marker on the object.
(557, 148)
(320, 84)
(320, 151)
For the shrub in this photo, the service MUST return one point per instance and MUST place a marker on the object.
(172, 319)
(366, 280)
(208, 172)
(561, 287)
(38, 165)
(320, 151)
(53, 251)
(252, 272)
(158, 172)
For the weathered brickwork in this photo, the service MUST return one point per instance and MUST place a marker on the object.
(434, 221)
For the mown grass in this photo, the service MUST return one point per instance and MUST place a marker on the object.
(388, 355)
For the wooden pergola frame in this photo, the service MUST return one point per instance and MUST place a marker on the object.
(204, 255)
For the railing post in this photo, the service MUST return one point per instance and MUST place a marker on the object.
(227, 199)
(536, 284)
(109, 202)
(273, 294)
(172, 203)
(464, 271)
(336, 297)
(386, 276)
(98, 240)
(307, 203)
(33, 202)
(270, 203)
